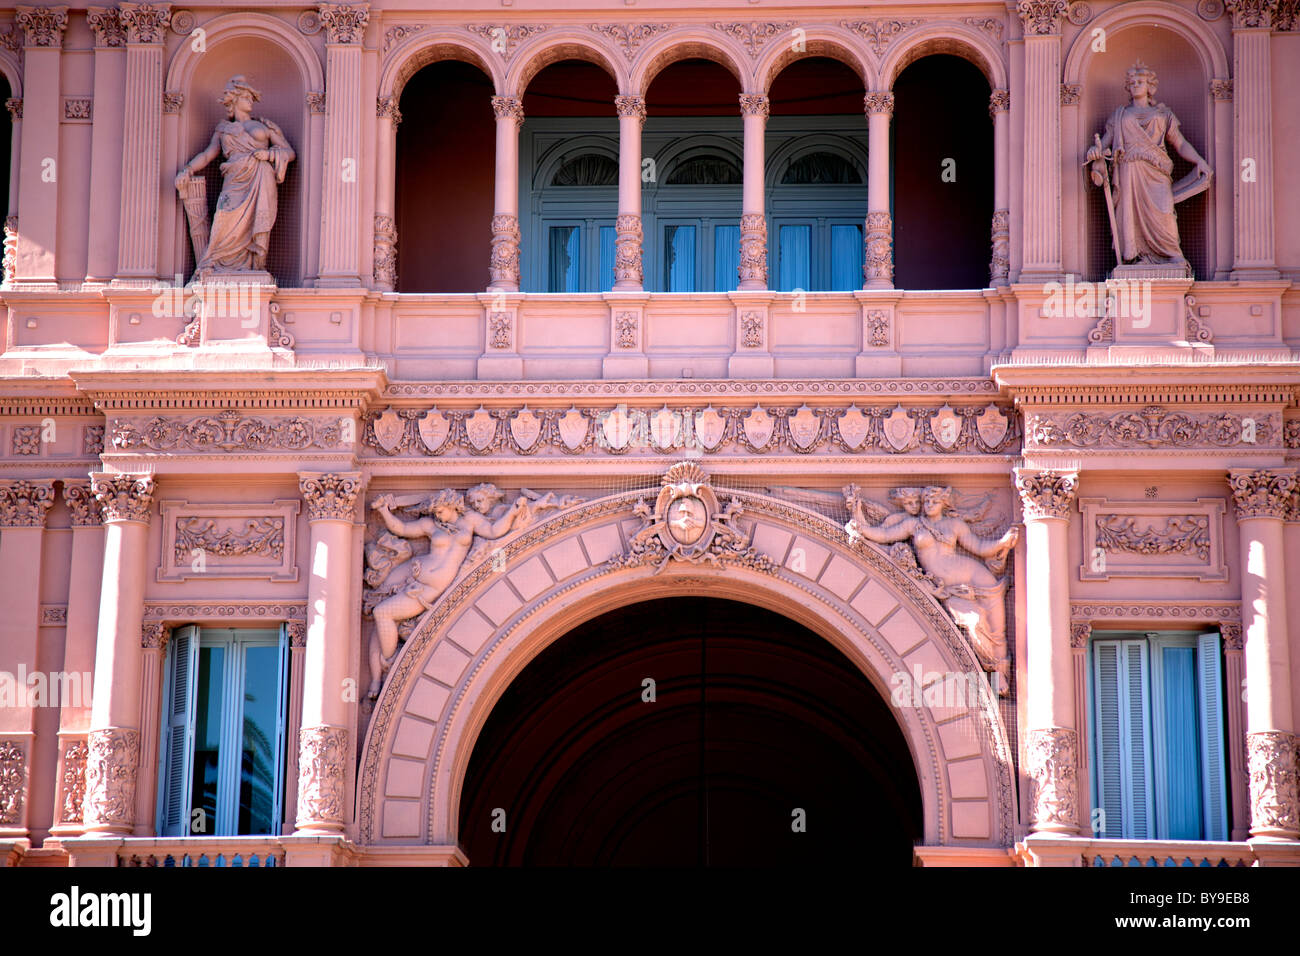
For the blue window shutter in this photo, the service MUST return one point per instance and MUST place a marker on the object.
(1135, 718)
(177, 744)
(1208, 656)
(1123, 734)
(846, 258)
(726, 258)
(1177, 740)
(607, 246)
(1105, 660)
(795, 264)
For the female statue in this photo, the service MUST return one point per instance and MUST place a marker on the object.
(256, 158)
(972, 593)
(450, 530)
(1145, 228)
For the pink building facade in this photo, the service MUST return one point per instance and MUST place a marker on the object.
(556, 329)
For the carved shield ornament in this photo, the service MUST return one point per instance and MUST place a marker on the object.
(388, 430)
(434, 428)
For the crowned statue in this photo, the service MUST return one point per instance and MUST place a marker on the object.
(1133, 167)
(256, 155)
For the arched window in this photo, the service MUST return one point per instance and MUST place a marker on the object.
(589, 169)
(820, 167)
(709, 169)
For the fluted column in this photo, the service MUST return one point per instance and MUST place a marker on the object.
(504, 268)
(38, 200)
(323, 749)
(23, 506)
(85, 574)
(1041, 229)
(1261, 498)
(384, 269)
(1252, 177)
(628, 275)
(1235, 713)
(1080, 632)
(1000, 262)
(137, 244)
(102, 221)
(293, 729)
(154, 636)
(340, 263)
(10, 262)
(753, 217)
(114, 740)
(1052, 739)
(878, 235)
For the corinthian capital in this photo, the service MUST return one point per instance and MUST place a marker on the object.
(1046, 494)
(754, 104)
(44, 26)
(509, 107)
(345, 22)
(124, 497)
(145, 22)
(1041, 17)
(1249, 14)
(878, 103)
(23, 504)
(633, 106)
(107, 26)
(330, 497)
(1265, 493)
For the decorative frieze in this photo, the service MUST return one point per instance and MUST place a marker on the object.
(44, 26)
(329, 496)
(228, 431)
(73, 781)
(879, 33)
(1046, 494)
(24, 504)
(754, 35)
(145, 22)
(1163, 539)
(1263, 493)
(228, 541)
(504, 37)
(322, 769)
(112, 762)
(1051, 757)
(344, 22)
(124, 497)
(1133, 612)
(504, 267)
(1152, 427)
(13, 781)
(1274, 801)
(629, 36)
(246, 612)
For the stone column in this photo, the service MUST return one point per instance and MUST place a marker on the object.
(10, 265)
(753, 217)
(340, 261)
(86, 573)
(154, 636)
(1252, 175)
(23, 506)
(628, 276)
(385, 262)
(1052, 740)
(113, 757)
(105, 145)
(878, 235)
(137, 245)
(297, 651)
(1041, 232)
(1234, 712)
(1000, 263)
(1261, 497)
(38, 200)
(504, 268)
(1080, 632)
(323, 750)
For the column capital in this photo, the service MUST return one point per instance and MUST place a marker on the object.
(15, 107)
(999, 102)
(754, 104)
(1262, 493)
(107, 26)
(387, 106)
(631, 106)
(1232, 634)
(345, 22)
(330, 496)
(509, 107)
(24, 504)
(43, 26)
(880, 102)
(1045, 493)
(124, 497)
(1252, 14)
(145, 22)
(87, 512)
(154, 635)
(1080, 631)
(1041, 17)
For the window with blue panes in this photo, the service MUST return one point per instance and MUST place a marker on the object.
(817, 208)
(1157, 734)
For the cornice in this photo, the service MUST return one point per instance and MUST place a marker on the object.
(1131, 393)
(297, 389)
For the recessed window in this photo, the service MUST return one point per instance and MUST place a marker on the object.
(589, 169)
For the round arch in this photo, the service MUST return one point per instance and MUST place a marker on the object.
(678, 46)
(951, 38)
(1213, 59)
(553, 49)
(465, 652)
(420, 51)
(680, 150)
(819, 41)
(12, 72)
(229, 26)
(549, 162)
(852, 150)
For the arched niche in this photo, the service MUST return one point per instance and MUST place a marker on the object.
(464, 653)
(412, 56)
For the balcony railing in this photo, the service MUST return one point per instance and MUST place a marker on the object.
(253, 851)
(1167, 853)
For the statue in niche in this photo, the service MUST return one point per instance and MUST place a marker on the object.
(959, 567)
(257, 155)
(1139, 188)
(403, 583)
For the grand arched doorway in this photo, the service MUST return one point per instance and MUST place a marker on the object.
(763, 745)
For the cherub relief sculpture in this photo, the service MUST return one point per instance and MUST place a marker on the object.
(1139, 187)
(257, 155)
(403, 584)
(959, 567)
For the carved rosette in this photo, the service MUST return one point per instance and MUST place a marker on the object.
(106, 26)
(1000, 264)
(1261, 494)
(999, 102)
(754, 104)
(13, 782)
(145, 22)
(633, 106)
(321, 776)
(330, 497)
(385, 269)
(73, 781)
(509, 107)
(1274, 803)
(504, 267)
(10, 263)
(753, 248)
(84, 507)
(43, 26)
(124, 497)
(23, 504)
(345, 22)
(627, 249)
(1041, 17)
(878, 103)
(1047, 494)
(1051, 760)
(878, 263)
(113, 758)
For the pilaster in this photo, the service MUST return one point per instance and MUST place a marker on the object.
(1041, 207)
(106, 145)
(1252, 117)
(340, 261)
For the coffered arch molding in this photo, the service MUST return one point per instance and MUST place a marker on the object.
(686, 45)
(950, 38)
(831, 42)
(467, 649)
(555, 48)
(423, 50)
(1210, 52)
(234, 25)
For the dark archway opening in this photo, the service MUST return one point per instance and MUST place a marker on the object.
(755, 718)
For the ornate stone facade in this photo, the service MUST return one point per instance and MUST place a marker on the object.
(321, 777)
(1052, 761)
(112, 762)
